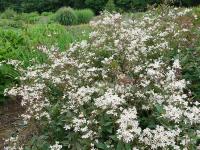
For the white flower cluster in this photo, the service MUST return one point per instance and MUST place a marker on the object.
(159, 138)
(128, 125)
(11, 144)
(83, 95)
(109, 100)
(173, 113)
(56, 146)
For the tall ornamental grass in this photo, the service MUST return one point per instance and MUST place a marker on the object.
(84, 15)
(66, 16)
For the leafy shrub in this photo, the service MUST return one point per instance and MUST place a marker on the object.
(8, 77)
(48, 18)
(95, 5)
(9, 23)
(120, 89)
(39, 5)
(129, 5)
(10, 40)
(8, 14)
(181, 2)
(191, 70)
(66, 16)
(84, 15)
(31, 18)
(46, 13)
(191, 56)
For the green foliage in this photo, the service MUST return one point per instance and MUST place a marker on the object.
(84, 15)
(8, 23)
(97, 6)
(8, 78)
(191, 70)
(39, 5)
(14, 44)
(31, 18)
(48, 35)
(8, 14)
(110, 6)
(191, 58)
(66, 16)
(130, 5)
(10, 40)
(80, 32)
(75, 3)
(55, 34)
(35, 18)
(46, 13)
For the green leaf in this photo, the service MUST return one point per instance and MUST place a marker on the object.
(108, 124)
(109, 130)
(120, 146)
(101, 145)
(128, 146)
(159, 109)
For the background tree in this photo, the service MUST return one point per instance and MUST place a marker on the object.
(96, 5)
(110, 6)
(132, 5)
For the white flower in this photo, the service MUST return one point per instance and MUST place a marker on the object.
(83, 44)
(78, 123)
(82, 95)
(67, 127)
(56, 146)
(176, 64)
(137, 69)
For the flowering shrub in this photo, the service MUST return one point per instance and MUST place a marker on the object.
(117, 90)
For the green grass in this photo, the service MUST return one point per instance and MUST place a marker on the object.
(55, 34)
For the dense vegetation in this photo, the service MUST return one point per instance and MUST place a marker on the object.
(126, 82)
(96, 5)
(127, 79)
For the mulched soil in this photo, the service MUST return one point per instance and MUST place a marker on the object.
(9, 120)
